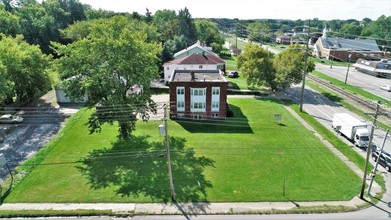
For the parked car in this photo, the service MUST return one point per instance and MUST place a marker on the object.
(386, 88)
(10, 119)
(233, 74)
(384, 159)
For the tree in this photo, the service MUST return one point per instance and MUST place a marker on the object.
(258, 32)
(261, 69)
(166, 22)
(380, 29)
(256, 64)
(186, 26)
(351, 30)
(208, 33)
(24, 69)
(41, 23)
(148, 16)
(289, 66)
(9, 23)
(109, 64)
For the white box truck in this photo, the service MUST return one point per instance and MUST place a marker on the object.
(352, 128)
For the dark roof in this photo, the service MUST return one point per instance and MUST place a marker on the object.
(199, 76)
(350, 44)
(197, 58)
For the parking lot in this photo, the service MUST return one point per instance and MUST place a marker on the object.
(41, 122)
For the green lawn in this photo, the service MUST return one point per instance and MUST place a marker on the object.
(241, 81)
(230, 64)
(245, 158)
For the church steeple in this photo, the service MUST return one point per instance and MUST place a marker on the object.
(324, 35)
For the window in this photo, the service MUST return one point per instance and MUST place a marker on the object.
(168, 68)
(199, 105)
(197, 117)
(215, 91)
(180, 104)
(215, 115)
(180, 90)
(198, 92)
(180, 115)
(200, 67)
(215, 105)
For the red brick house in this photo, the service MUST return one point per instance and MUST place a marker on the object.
(198, 94)
(341, 49)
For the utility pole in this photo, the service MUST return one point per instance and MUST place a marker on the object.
(347, 72)
(369, 150)
(168, 152)
(377, 163)
(305, 67)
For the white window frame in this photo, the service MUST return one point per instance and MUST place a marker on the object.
(198, 99)
(180, 98)
(215, 99)
(180, 90)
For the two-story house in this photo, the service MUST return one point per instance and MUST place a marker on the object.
(198, 94)
(194, 61)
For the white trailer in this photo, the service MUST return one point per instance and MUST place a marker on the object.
(353, 129)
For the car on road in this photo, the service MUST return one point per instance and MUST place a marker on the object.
(384, 159)
(386, 88)
(233, 74)
(10, 119)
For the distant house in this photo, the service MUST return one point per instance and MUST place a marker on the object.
(200, 94)
(198, 47)
(285, 38)
(380, 68)
(195, 62)
(346, 49)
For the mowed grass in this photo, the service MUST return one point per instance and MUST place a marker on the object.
(245, 158)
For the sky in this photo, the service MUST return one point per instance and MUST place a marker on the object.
(252, 9)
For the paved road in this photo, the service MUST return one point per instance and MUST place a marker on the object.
(364, 81)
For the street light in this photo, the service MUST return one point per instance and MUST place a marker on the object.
(347, 72)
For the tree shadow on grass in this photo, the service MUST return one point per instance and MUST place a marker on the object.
(236, 124)
(138, 168)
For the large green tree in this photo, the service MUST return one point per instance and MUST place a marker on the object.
(258, 31)
(261, 69)
(9, 23)
(41, 23)
(167, 23)
(109, 64)
(208, 33)
(24, 69)
(256, 64)
(289, 66)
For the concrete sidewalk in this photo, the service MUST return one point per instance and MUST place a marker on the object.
(181, 208)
